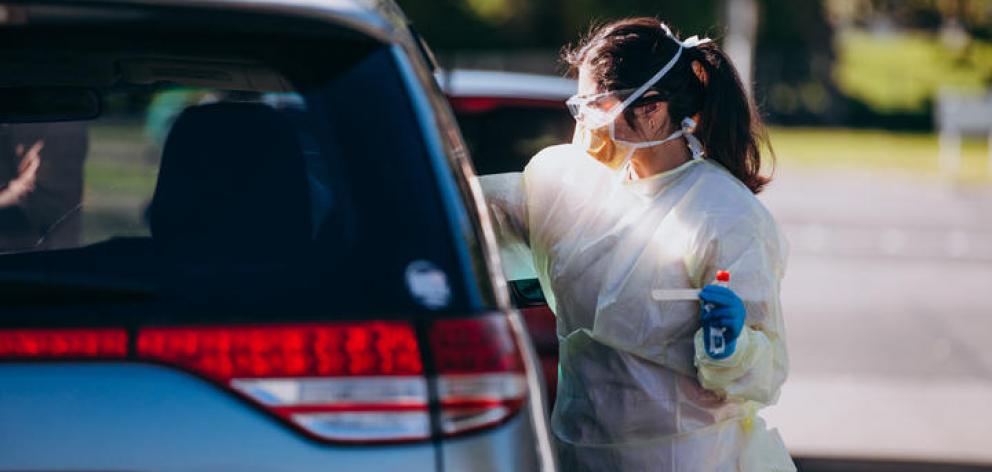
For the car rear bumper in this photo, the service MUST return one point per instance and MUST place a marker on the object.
(131, 416)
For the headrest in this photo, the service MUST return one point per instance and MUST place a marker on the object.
(232, 186)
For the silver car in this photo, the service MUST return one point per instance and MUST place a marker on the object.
(244, 235)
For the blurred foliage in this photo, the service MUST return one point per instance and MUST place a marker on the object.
(527, 24)
(794, 48)
(793, 60)
(817, 62)
(902, 72)
(974, 16)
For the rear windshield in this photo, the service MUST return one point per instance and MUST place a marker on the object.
(225, 174)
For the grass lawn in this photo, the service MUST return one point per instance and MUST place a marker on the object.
(902, 71)
(875, 150)
(117, 165)
(119, 178)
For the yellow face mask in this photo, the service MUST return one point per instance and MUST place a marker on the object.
(598, 144)
(601, 143)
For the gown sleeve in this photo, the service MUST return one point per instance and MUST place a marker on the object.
(507, 205)
(755, 255)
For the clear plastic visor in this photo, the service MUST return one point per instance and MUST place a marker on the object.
(597, 110)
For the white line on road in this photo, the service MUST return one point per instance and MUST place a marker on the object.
(951, 243)
(893, 242)
(957, 244)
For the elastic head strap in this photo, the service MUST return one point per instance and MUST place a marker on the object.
(688, 127)
(690, 42)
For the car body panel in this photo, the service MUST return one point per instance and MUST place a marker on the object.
(435, 114)
(483, 83)
(67, 416)
(479, 95)
(375, 18)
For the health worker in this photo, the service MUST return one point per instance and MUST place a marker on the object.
(656, 193)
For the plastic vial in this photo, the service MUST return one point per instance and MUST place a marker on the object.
(717, 344)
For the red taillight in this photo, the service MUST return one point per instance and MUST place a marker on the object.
(473, 105)
(481, 379)
(320, 350)
(63, 343)
(358, 381)
(349, 381)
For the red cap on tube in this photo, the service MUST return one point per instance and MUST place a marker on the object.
(723, 276)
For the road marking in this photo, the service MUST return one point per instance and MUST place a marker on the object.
(946, 243)
(957, 243)
(814, 237)
(893, 242)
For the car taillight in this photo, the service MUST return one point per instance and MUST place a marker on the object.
(481, 379)
(63, 343)
(475, 105)
(360, 381)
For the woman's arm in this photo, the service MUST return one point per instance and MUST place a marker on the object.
(507, 206)
(755, 257)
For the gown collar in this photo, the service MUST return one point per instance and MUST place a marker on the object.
(653, 184)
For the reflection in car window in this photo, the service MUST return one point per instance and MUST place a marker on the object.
(41, 173)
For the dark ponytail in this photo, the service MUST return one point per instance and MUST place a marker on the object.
(626, 53)
(729, 128)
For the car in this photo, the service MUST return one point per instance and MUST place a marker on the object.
(506, 118)
(295, 272)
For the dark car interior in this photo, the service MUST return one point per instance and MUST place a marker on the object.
(259, 207)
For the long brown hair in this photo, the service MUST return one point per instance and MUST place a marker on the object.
(626, 53)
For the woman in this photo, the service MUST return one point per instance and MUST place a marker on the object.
(656, 192)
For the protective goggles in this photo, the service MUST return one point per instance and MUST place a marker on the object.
(596, 110)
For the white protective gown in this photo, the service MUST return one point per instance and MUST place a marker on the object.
(636, 390)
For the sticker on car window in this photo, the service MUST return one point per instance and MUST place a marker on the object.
(428, 284)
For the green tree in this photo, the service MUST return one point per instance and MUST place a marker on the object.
(450, 25)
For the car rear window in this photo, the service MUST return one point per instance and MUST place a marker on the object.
(229, 172)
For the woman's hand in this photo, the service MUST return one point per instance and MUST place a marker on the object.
(721, 310)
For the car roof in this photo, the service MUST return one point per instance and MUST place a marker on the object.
(480, 83)
(381, 19)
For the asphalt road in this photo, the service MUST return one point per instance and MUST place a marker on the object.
(888, 305)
